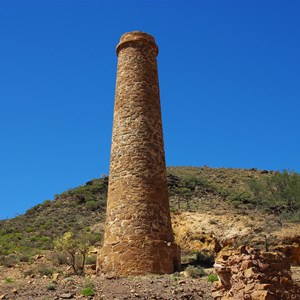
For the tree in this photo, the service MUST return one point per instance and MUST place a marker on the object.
(279, 192)
(75, 249)
(284, 189)
(186, 194)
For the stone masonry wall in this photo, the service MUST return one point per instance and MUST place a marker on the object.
(254, 275)
(138, 235)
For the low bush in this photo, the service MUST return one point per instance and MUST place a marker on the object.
(175, 276)
(278, 193)
(44, 269)
(91, 260)
(212, 277)
(8, 280)
(51, 286)
(8, 261)
(88, 291)
(74, 249)
(194, 272)
(24, 257)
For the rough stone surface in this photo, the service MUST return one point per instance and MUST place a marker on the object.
(138, 234)
(290, 247)
(254, 275)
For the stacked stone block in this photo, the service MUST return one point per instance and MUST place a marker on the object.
(138, 234)
(253, 275)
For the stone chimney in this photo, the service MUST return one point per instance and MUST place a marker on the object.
(138, 235)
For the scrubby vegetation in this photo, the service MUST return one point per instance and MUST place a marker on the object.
(194, 272)
(72, 249)
(190, 188)
(212, 277)
(75, 210)
(277, 192)
(88, 290)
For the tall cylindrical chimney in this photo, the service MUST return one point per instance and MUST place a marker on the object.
(138, 235)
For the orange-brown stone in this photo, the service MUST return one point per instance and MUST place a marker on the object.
(256, 275)
(138, 235)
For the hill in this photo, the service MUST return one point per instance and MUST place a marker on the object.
(213, 210)
(225, 198)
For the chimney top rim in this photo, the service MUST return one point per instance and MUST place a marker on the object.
(137, 36)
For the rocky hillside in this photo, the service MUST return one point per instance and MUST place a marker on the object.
(211, 208)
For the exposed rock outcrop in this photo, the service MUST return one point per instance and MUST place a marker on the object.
(290, 247)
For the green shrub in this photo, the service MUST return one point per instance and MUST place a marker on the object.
(29, 272)
(175, 276)
(88, 291)
(46, 202)
(58, 258)
(75, 248)
(91, 260)
(51, 286)
(243, 197)
(44, 269)
(8, 280)
(278, 193)
(212, 277)
(185, 192)
(293, 217)
(8, 260)
(192, 181)
(102, 202)
(29, 229)
(172, 209)
(24, 257)
(92, 205)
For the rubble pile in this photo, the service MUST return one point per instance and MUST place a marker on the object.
(254, 275)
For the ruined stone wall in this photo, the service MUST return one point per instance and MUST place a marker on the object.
(254, 275)
(138, 235)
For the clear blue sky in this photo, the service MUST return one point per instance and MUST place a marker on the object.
(229, 78)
